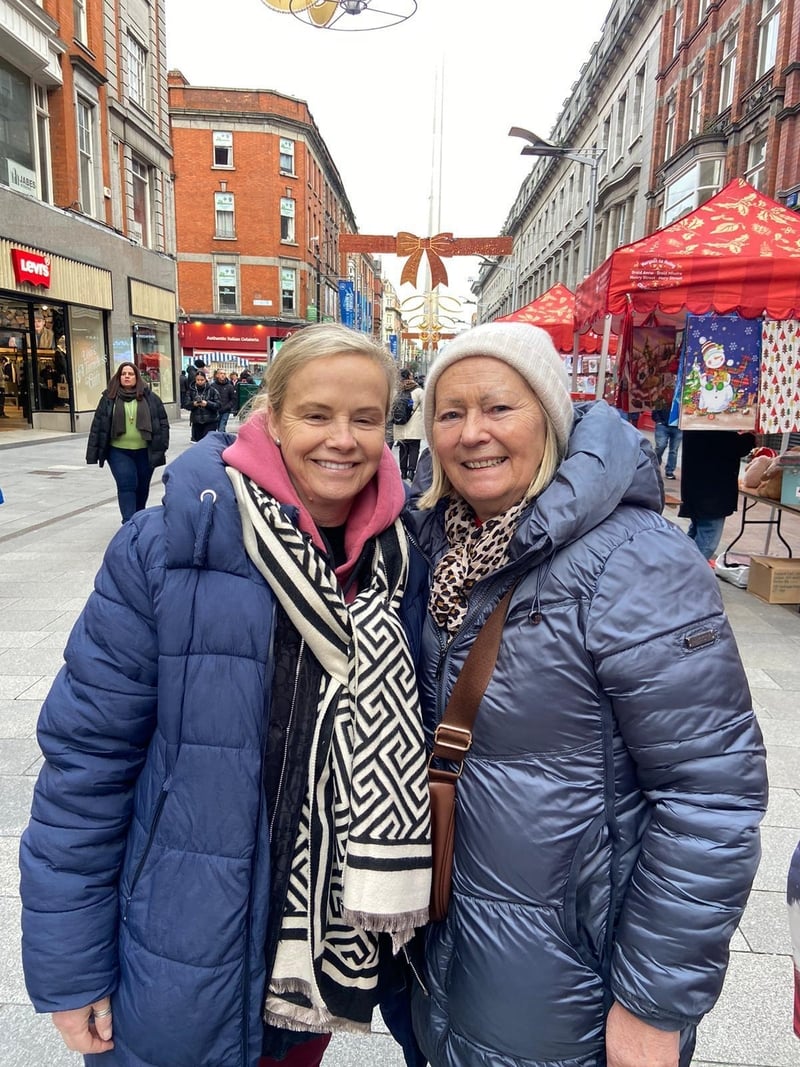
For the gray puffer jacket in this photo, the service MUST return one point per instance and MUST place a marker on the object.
(608, 811)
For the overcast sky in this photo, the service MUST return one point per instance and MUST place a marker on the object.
(506, 63)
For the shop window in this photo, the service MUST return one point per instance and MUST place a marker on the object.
(17, 143)
(87, 355)
(79, 29)
(287, 219)
(691, 189)
(152, 354)
(288, 289)
(226, 287)
(286, 156)
(142, 178)
(727, 71)
(223, 149)
(224, 215)
(768, 26)
(137, 72)
(756, 172)
(87, 119)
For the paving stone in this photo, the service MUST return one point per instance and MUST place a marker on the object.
(780, 703)
(17, 755)
(36, 661)
(758, 679)
(777, 845)
(31, 1040)
(12, 983)
(18, 718)
(782, 733)
(353, 1050)
(784, 767)
(14, 685)
(9, 869)
(15, 805)
(18, 638)
(751, 1023)
(765, 925)
(784, 808)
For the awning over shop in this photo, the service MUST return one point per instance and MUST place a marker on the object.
(740, 251)
(554, 311)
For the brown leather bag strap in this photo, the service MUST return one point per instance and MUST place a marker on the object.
(453, 736)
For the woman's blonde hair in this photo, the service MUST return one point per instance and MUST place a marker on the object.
(441, 486)
(315, 342)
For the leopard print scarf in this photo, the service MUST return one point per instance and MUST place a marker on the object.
(475, 551)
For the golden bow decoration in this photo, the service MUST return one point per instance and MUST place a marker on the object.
(408, 244)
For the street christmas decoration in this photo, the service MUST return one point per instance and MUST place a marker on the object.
(441, 245)
(343, 14)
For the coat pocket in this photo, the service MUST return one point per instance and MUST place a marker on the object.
(588, 895)
(137, 873)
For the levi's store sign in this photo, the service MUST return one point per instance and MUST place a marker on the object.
(31, 267)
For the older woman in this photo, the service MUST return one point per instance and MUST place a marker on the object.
(130, 432)
(204, 880)
(608, 809)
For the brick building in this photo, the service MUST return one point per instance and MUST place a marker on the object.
(675, 99)
(259, 209)
(87, 274)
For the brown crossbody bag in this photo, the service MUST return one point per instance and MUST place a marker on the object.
(451, 742)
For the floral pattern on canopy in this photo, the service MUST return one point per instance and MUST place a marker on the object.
(738, 252)
(554, 311)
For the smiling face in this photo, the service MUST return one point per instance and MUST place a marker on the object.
(331, 431)
(489, 433)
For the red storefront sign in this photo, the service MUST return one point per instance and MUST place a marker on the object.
(31, 267)
(224, 336)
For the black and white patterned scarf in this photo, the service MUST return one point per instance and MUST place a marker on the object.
(362, 857)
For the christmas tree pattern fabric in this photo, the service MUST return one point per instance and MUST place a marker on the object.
(719, 372)
(779, 385)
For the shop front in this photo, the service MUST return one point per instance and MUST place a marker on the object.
(231, 346)
(55, 325)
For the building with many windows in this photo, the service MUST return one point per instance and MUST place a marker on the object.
(259, 209)
(87, 271)
(675, 99)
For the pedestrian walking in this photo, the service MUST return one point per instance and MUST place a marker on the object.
(130, 432)
(606, 835)
(408, 434)
(227, 398)
(793, 900)
(204, 880)
(710, 482)
(667, 439)
(202, 401)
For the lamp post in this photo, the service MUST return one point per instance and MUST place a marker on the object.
(539, 146)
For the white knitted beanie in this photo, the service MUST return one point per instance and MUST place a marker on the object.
(529, 350)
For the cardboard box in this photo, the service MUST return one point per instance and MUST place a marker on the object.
(775, 579)
(790, 486)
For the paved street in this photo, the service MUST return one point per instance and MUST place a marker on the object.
(58, 517)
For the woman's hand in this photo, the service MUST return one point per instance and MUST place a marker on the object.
(631, 1042)
(83, 1031)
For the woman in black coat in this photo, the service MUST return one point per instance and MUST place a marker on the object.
(203, 402)
(130, 429)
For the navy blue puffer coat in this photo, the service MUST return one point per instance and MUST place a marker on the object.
(608, 811)
(145, 867)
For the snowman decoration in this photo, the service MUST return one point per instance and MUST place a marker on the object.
(716, 391)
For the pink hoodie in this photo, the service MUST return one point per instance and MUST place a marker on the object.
(379, 503)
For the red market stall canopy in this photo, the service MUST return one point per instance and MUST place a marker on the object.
(554, 311)
(740, 251)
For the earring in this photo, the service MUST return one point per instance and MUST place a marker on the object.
(278, 442)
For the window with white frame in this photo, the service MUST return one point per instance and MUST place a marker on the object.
(691, 189)
(619, 132)
(677, 26)
(226, 287)
(288, 289)
(137, 71)
(606, 145)
(17, 137)
(756, 172)
(702, 10)
(287, 219)
(696, 103)
(79, 28)
(224, 219)
(142, 180)
(669, 128)
(727, 70)
(87, 138)
(286, 156)
(637, 104)
(223, 149)
(768, 26)
(43, 143)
